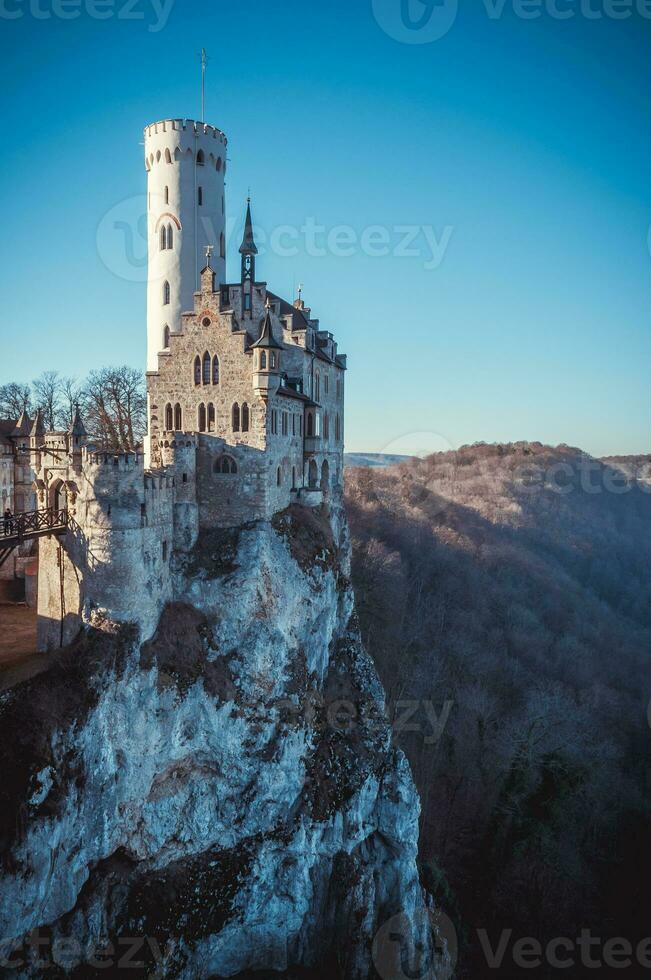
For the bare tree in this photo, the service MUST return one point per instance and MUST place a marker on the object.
(14, 399)
(72, 393)
(115, 407)
(47, 394)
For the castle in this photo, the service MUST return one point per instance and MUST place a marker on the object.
(245, 402)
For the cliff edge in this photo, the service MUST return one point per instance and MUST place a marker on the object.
(227, 793)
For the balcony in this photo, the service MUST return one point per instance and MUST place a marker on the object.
(313, 444)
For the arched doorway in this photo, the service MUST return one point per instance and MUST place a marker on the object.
(312, 475)
(59, 496)
(325, 475)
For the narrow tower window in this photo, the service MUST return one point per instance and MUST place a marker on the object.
(163, 238)
(178, 418)
(166, 293)
(215, 370)
(263, 361)
(236, 417)
(167, 195)
(200, 158)
(168, 418)
(211, 418)
(199, 196)
(245, 417)
(202, 418)
(170, 237)
(222, 246)
(166, 337)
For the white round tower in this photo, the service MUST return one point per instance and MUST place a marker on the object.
(185, 163)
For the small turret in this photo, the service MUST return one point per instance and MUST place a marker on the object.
(266, 357)
(248, 251)
(77, 433)
(37, 430)
(23, 426)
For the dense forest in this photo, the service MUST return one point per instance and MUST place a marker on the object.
(505, 594)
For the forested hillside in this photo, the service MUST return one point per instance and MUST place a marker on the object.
(514, 583)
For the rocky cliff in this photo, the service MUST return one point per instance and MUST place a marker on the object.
(223, 798)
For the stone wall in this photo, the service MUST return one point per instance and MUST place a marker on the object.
(114, 561)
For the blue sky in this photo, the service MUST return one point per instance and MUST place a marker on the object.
(521, 146)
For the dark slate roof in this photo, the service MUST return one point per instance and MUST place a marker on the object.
(299, 320)
(248, 246)
(266, 338)
(38, 429)
(23, 425)
(77, 428)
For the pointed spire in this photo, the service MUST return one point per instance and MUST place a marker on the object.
(38, 429)
(23, 425)
(77, 428)
(266, 338)
(248, 246)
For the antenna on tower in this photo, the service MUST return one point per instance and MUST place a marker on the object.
(204, 62)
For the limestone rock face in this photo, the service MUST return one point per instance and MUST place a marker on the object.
(227, 791)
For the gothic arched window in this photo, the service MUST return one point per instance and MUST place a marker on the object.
(245, 417)
(166, 337)
(317, 387)
(218, 165)
(168, 156)
(326, 426)
(163, 238)
(236, 417)
(337, 427)
(166, 293)
(225, 464)
(167, 195)
(169, 422)
(215, 370)
(206, 368)
(170, 237)
(178, 418)
(197, 370)
(200, 158)
(272, 360)
(211, 418)
(202, 418)
(263, 361)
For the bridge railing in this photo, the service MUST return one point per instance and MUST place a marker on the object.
(33, 523)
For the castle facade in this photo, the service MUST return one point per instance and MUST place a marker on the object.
(245, 411)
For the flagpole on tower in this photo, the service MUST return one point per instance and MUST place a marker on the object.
(204, 59)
